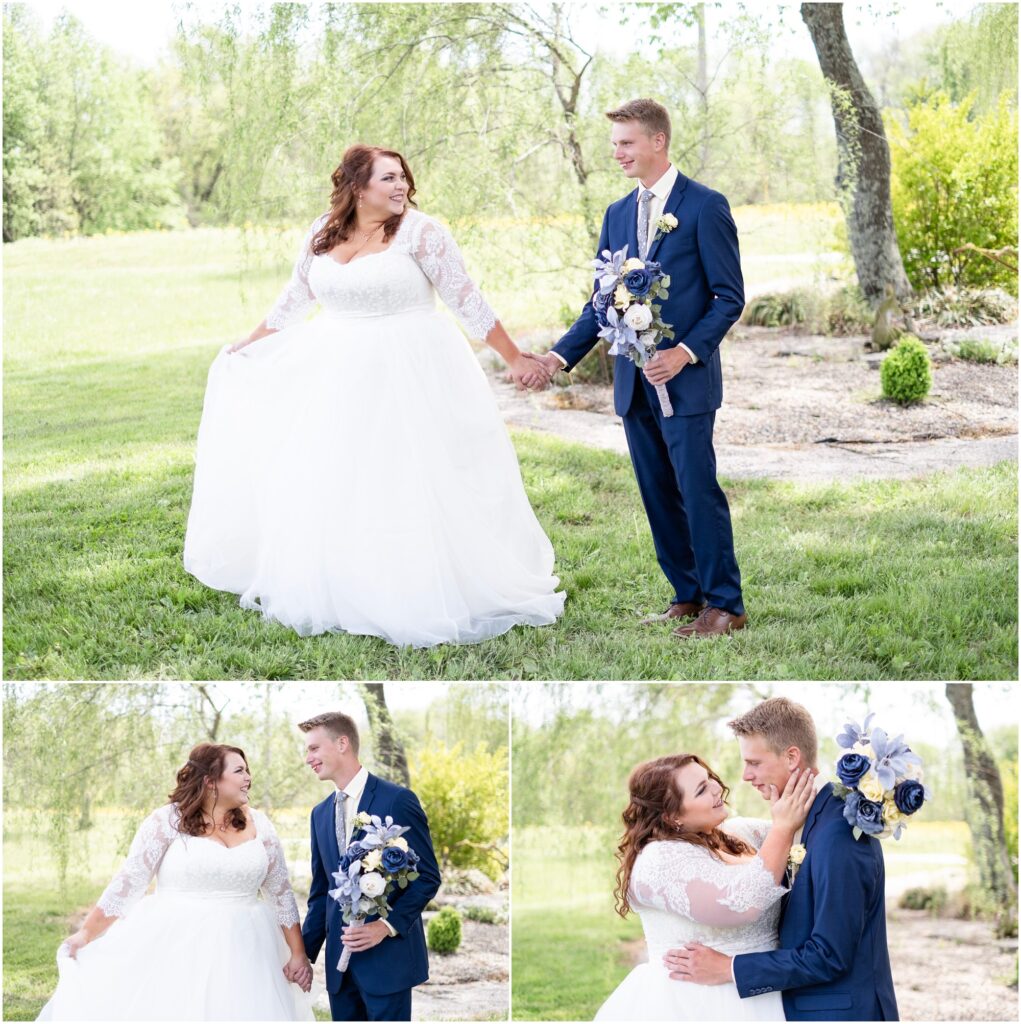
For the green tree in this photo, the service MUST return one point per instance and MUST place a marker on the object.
(955, 183)
(465, 796)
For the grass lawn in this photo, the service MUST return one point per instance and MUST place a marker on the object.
(107, 344)
(571, 949)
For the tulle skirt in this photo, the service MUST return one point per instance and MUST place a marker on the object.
(353, 474)
(648, 993)
(182, 958)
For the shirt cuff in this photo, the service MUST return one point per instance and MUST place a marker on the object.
(732, 978)
(389, 927)
(694, 358)
(563, 361)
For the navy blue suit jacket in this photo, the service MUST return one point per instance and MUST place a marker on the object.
(401, 961)
(706, 290)
(833, 963)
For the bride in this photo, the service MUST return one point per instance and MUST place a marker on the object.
(692, 878)
(203, 946)
(353, 472)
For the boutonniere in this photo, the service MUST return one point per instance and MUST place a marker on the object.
(666, 224)
(794, 859)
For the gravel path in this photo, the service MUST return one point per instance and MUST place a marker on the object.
(808, 408)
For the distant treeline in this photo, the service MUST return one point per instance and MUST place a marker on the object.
(498, 108)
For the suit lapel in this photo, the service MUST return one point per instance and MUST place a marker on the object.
(365, 803)
(825, 794)
(631, 212)
(673, 201)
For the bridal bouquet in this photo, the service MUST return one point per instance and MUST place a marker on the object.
(625, 309)
(370, 869)
(880, 781)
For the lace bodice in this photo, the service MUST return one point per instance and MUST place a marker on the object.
(191, 865)
(422, 260)
(682, 893)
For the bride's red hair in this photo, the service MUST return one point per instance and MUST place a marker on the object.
(352, 175)
(656, 802)
(206, 761)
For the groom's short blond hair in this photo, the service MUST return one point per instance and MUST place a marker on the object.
(652, 116)
(782, 724)
(337, 724)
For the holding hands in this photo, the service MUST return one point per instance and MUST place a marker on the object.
(299, 971)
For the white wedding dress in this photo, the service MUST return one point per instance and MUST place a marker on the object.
(353, 472)
(204, 946)
(684, 894)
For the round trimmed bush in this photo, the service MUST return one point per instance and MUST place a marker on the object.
(444, 932)
(906, 373)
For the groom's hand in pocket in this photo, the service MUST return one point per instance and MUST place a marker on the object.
(358, 938)
(699, 964)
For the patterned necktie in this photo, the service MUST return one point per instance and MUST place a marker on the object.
(340, 821)
(643, 222)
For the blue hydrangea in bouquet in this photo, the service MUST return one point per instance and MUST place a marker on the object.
(627, 311)
(370, 869)
(880, 781)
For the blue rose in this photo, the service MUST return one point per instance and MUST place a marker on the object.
(909, 796)
(395, 859)
(851, 768)
(600, 303)
(638, 282)
(863, 814)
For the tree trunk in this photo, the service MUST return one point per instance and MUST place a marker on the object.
(390, 756)
(984, 806)
(863, 168)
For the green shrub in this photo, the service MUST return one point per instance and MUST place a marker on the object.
(778, 309)
(966, 307)
(977, 350)
(954, 182)
(934, 900)
(906, 373)
(848, 312)
(465, 796)
(444, 932)
(484, 915)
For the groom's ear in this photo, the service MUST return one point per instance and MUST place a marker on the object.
(793, 758)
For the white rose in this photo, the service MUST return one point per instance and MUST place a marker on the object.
(668, 221)
(372, 860)
(632, 264)
(648, 339)
(638, 317)
(373, 884)
(401, 842)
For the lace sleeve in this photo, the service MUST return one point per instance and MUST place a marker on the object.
(151, 842)
(751, 830)
(295, 301)
(687, 880)
(276, 886)
(436, 252)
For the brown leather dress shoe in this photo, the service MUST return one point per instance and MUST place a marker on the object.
(679, 610)
(712, 622)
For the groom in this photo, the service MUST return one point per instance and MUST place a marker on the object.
(389, 956)
(673, 456)
(833, 962)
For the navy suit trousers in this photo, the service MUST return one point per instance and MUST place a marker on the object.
(687, 509)
(350, 1003)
